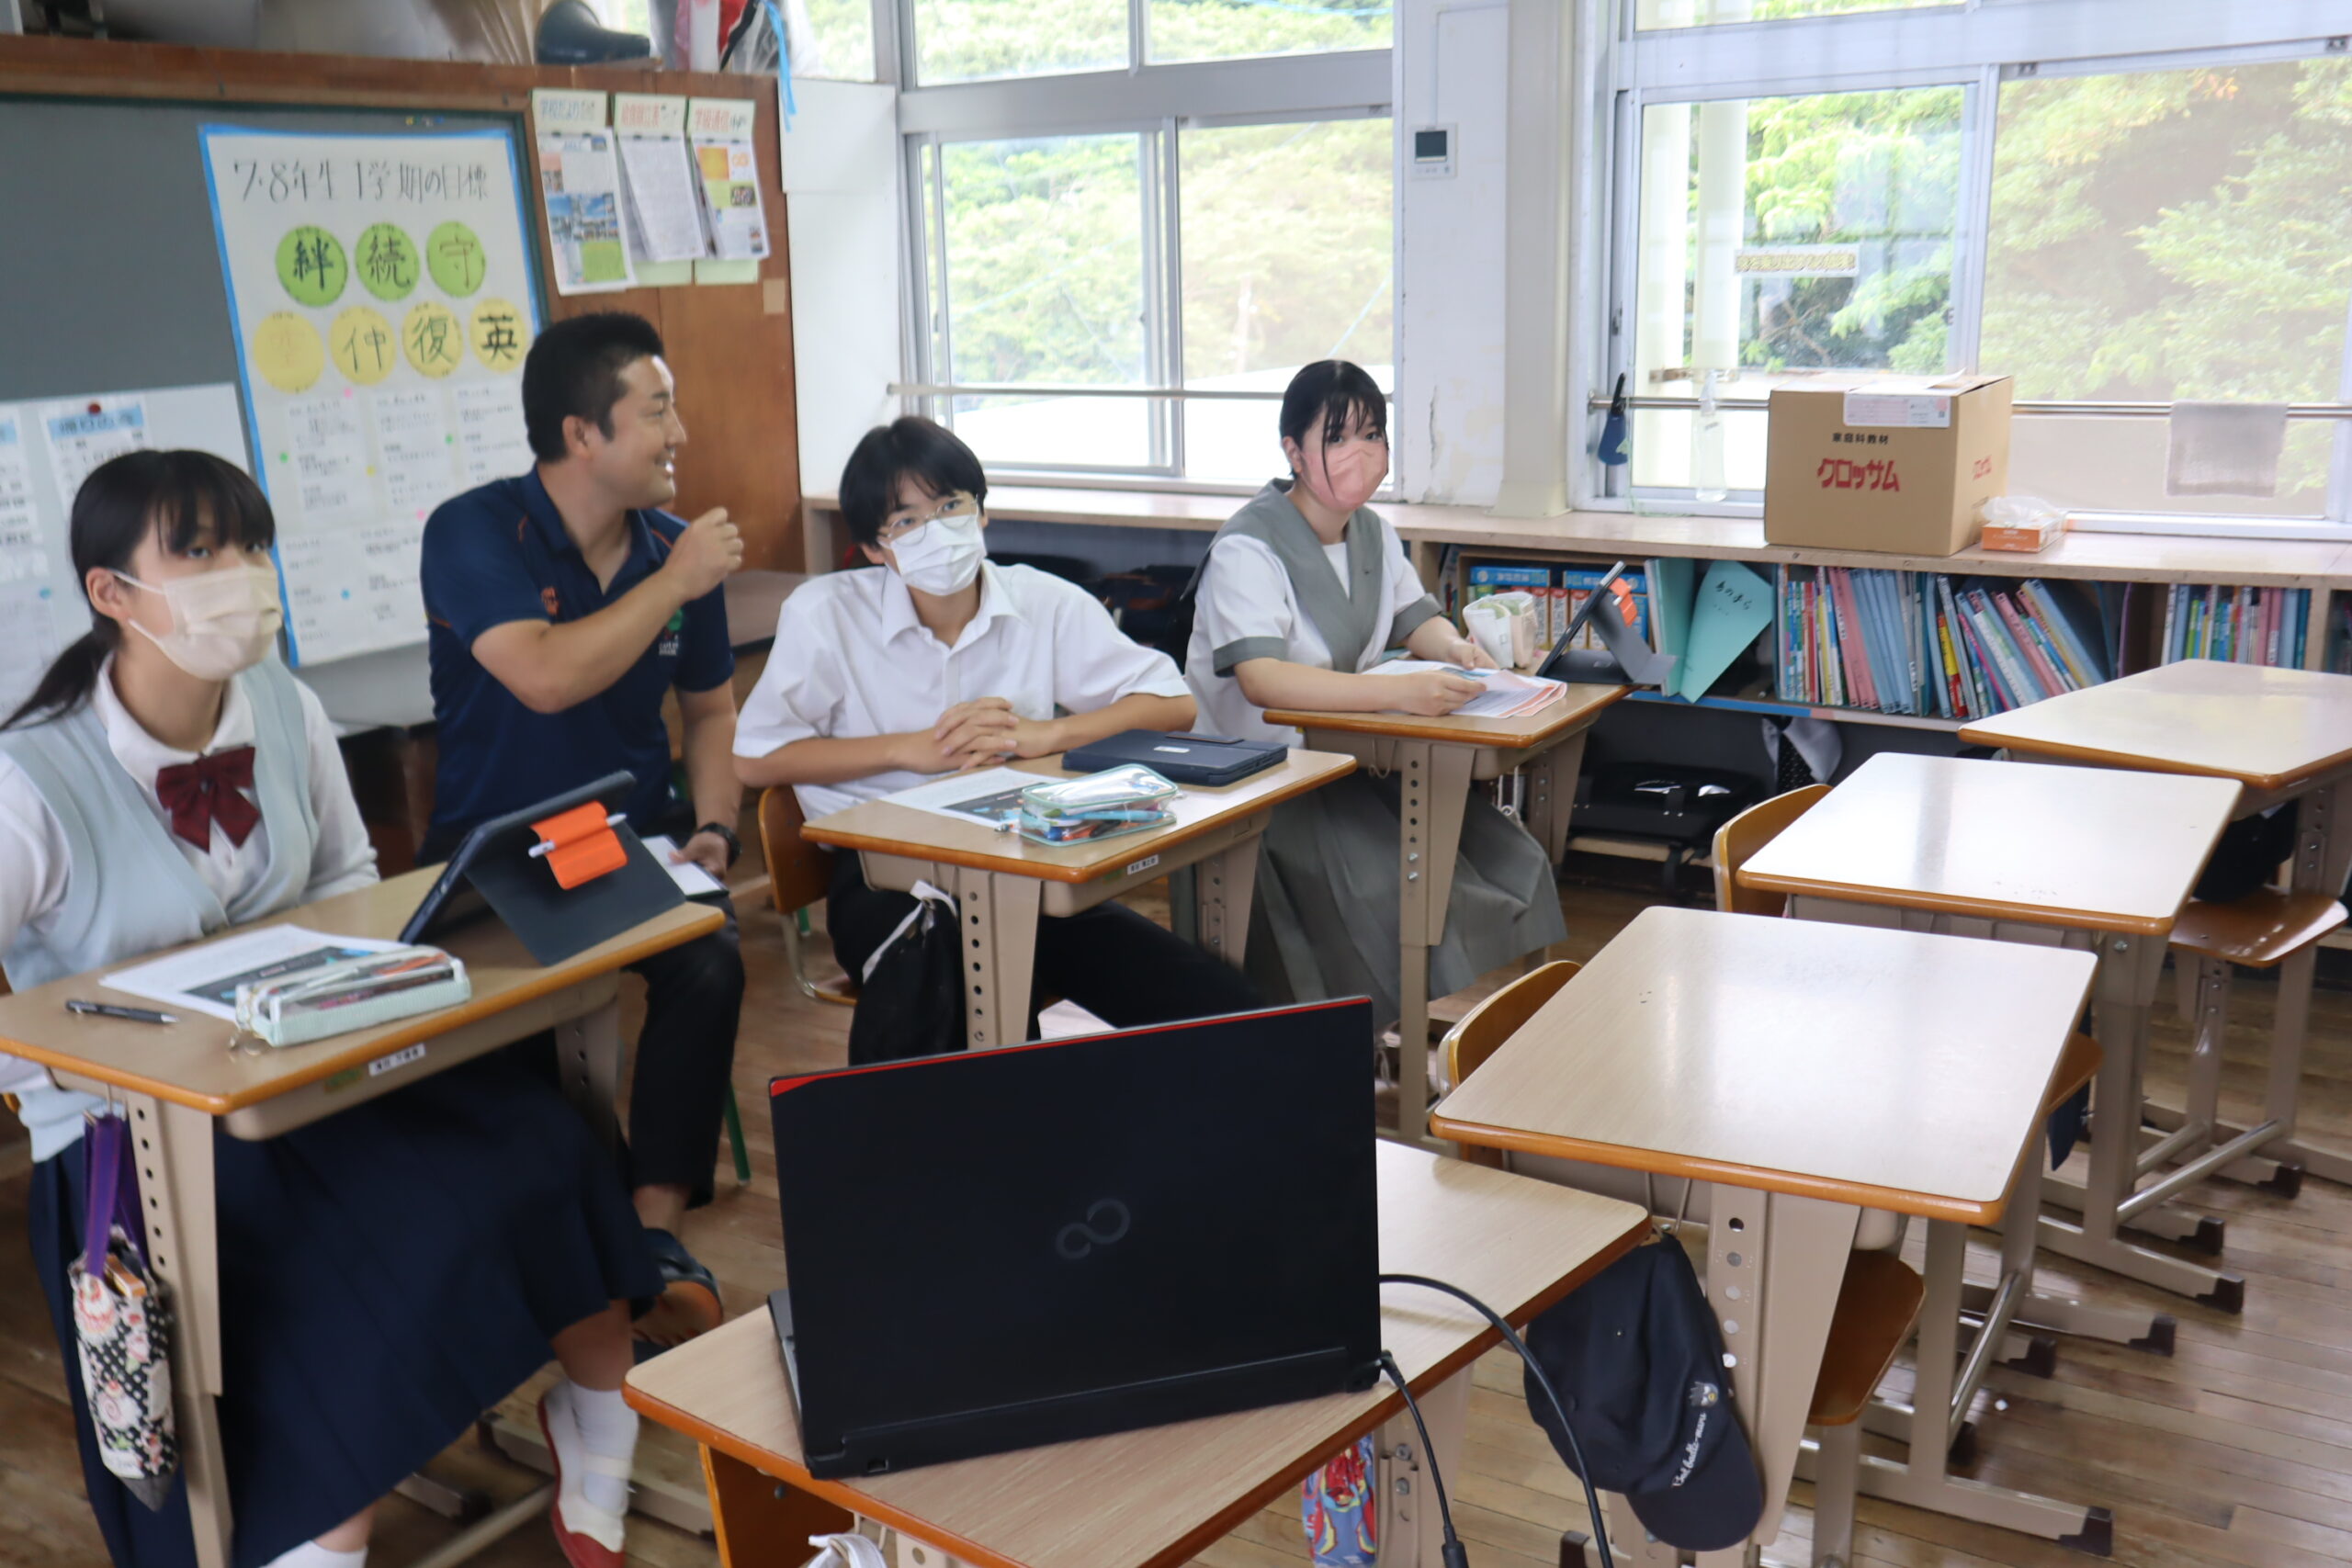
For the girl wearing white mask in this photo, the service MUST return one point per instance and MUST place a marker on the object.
(1304, 588)
(936, 660)
(386, 1274)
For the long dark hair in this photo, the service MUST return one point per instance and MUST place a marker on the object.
(178, 497)
(1331, 390)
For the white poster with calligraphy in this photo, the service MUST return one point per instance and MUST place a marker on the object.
(381, 293)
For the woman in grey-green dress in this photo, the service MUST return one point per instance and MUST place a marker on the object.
(1304, 589)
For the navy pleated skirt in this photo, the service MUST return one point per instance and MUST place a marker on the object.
(386, 1275)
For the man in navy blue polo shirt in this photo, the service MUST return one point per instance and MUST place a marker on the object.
(563, 607)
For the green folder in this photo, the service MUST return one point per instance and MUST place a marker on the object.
(1672, 579)
(1733, 605)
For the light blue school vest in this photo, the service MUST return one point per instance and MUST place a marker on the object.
(129, 889)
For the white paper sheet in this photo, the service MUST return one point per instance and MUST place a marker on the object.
(692, 880)
(1508, 695)
(205, 979)
(82, 435)
(21, 554)
(666, 211)
(989, 796)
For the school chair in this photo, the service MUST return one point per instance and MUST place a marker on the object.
(800, 873)
(2209, 942)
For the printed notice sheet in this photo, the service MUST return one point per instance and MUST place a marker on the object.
(205, 979)
(380, 291)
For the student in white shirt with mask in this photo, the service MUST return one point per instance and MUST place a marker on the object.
(933, 659)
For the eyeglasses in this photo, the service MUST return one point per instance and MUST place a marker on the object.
(902, 527)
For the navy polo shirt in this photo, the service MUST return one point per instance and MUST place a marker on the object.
(500, 554)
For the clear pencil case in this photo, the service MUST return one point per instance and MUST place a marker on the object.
(354, 993)
(1132, 799)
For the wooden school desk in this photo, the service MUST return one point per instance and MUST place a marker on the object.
(177, 1080)
(1434, 761)
(1806, 1071)
(2084, 857)
(1002, 882)
(1150, 1498)
(2283, 735)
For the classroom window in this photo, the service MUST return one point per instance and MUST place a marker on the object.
(973, 40)
(1785, 233)
(977, 40)
(1235, 29)
(1040, 276)
(1656, 15)
(2162, 235)
(1257, 303)
(1983, 190)
(841, 41)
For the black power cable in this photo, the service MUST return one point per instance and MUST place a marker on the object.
(1454, 1558)
(1451, 1550)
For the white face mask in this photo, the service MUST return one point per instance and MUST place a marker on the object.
(223, 620)
(945, 556)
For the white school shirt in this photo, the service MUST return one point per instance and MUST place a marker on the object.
(34, 863)
(851, 660)
(1245, 591)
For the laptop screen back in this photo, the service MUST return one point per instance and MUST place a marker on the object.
(965, 1233)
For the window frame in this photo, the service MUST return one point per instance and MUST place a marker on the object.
(1979, 46)
(1158, 102)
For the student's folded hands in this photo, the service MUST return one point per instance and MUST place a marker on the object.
(985, 731)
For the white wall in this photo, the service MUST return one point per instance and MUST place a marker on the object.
(1451, 65)
(841, 184)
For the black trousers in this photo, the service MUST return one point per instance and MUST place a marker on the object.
(1111, 961)
(693, 1003)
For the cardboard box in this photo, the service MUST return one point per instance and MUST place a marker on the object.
(1895, 463)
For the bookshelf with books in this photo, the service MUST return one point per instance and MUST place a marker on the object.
(1956, 646)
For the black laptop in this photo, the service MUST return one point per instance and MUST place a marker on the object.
(1004, 1248)
(1181, 758)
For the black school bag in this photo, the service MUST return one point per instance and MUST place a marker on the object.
(911, 997)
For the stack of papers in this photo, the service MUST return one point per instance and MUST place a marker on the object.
(1508, 695)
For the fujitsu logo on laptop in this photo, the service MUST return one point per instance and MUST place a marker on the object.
(1107, 1222)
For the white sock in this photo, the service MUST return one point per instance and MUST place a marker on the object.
(607, 1427)
(310, 1554)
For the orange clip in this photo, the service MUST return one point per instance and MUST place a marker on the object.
(1624, 592)
(581, 846)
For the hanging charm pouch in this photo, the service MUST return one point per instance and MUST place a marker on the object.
(122, 1326)
(1132, 799)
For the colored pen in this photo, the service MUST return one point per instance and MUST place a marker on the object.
(107, 1010)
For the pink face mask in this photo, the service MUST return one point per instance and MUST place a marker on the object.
(1347, 476)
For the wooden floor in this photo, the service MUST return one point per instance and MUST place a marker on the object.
(2236, 1450)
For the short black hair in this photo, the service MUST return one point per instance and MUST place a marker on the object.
(574, 370)
(888, 453)
(1331, 390)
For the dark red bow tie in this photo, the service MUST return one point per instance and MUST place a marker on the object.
(208, 790)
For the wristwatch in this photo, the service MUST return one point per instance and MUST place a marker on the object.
(734, 844)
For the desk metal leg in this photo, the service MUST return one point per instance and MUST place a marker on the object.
(1434, 789)
(173, 1147)
(1223, 886)
(1552, 794)
(2128, 969)
(1774, 1265)
(998, 916)
(588, 1057)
